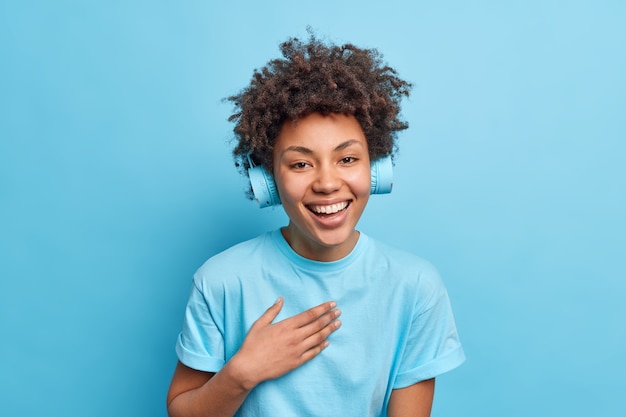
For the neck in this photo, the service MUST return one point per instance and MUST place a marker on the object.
(316, 251)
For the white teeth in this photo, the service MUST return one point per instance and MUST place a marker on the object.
(331, 209)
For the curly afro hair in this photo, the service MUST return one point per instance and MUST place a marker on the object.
(317, 77)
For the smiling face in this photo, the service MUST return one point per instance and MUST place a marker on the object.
(322, 173)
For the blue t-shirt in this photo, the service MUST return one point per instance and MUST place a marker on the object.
(397, 324)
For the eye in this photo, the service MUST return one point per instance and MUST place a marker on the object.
(348, 160)
(299, 165)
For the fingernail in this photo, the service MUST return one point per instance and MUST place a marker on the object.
(333, 304)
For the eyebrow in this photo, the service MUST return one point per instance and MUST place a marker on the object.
(305, 150)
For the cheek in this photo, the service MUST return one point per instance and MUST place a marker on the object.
(291, 188)
(360, 183)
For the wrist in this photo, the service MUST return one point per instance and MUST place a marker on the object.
(239, 374)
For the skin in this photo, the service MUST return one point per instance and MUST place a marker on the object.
(321, 164)
(268, 351)
(318, 162)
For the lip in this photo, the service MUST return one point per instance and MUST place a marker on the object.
(328, 205)
(330, 220)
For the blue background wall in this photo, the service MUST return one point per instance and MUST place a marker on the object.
(116, 183)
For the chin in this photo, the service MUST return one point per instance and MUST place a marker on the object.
(335, 239)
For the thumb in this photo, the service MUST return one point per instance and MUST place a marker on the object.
(270, 314)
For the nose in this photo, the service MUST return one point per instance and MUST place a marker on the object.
(327, 180)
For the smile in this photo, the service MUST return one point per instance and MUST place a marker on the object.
(329, 209)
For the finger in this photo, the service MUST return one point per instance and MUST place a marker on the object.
(319, 337)
(270, 314)
(314, 351)
(311, 314)
(319, 323)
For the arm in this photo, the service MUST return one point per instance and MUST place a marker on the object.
(268, 351)
(413, 401)
(194, 393)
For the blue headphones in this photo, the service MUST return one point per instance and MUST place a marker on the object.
(266, 194)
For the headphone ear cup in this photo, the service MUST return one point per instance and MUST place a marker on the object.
(382, 175)
(263, 187)
(266, 194)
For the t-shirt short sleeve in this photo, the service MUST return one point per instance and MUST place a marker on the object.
(200, 344)
(432, 346)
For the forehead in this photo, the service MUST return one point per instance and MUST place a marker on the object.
(319, 133)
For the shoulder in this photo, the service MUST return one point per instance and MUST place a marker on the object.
(407, 269)
(400, 259)
(234, 261)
